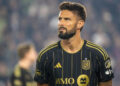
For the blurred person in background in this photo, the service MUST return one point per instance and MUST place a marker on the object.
(73, 61)
(21, 75)
(3, 74)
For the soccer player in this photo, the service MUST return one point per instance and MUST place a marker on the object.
(73, 61)
(21, 75)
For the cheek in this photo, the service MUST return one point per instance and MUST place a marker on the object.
(33, 56)
(68, 26)
(71, 26)
(69, 23)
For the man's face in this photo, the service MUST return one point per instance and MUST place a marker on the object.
(67, 24)
(31, 54)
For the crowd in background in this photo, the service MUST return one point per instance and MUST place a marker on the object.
(36, 21)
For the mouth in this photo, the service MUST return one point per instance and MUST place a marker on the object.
(62, 29)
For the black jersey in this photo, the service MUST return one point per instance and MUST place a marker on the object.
(87, 67)
(21, 77)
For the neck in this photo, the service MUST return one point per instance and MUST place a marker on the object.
(25, 64)
(73, 44)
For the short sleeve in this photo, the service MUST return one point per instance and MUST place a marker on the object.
(41, 75)
(105, 72)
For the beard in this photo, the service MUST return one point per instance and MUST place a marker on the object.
(67, 34)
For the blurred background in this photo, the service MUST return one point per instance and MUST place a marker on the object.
(36, 21)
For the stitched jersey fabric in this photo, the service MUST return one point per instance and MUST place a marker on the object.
(87, 67)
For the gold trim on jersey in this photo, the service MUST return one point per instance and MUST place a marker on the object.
(62, 64)
(81, 60)
(71, 67)
(46, 49)
(100, 49)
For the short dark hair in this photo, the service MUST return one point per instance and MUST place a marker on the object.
(78, 8)
(23, 48)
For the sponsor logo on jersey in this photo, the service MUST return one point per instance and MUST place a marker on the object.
(58, 65)
(85, 64)
(66, 81)
(82, 80)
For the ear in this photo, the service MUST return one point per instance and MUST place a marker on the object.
(80, 24)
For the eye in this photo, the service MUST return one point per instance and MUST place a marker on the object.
(59, 18)
(67, 18)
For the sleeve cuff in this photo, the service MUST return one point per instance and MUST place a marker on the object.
(107, 79)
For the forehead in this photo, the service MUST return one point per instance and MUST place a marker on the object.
(66, 13)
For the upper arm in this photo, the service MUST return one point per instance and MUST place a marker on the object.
(104, 69)
(108, 83)
(41, 75)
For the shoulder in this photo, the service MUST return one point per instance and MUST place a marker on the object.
(99, 50)
(47, 49)
(17, 71)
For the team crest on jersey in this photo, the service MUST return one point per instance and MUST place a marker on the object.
(86, 64)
